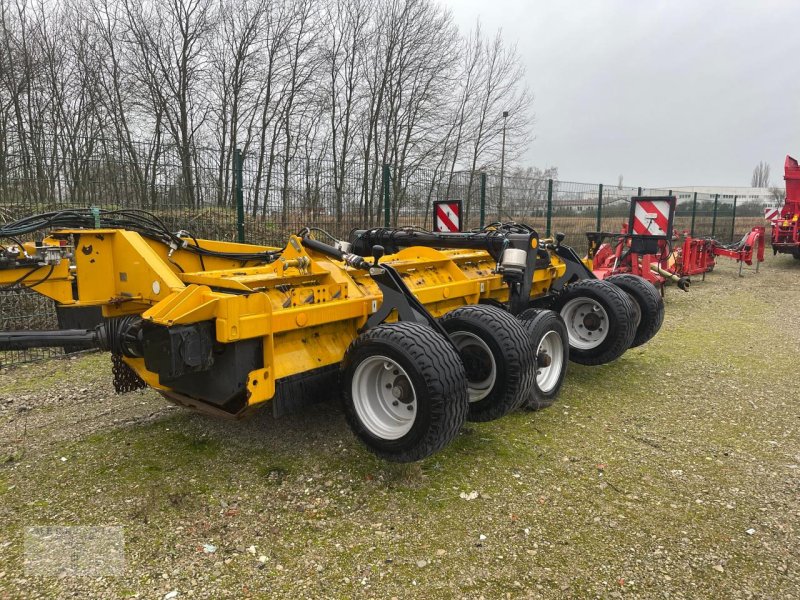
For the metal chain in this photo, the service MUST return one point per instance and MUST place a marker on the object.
(125, 378)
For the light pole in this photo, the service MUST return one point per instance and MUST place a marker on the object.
(502, 168)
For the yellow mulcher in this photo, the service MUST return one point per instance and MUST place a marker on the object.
(434, 329)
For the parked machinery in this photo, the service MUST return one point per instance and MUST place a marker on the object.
(445, 328)
(649, 247)
(785, 237)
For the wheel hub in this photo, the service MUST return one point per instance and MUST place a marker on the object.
(543, 359)
(479, 364)
(592, 321)
(549, 361)
(401, 389)
(587, 322)
(384, 397)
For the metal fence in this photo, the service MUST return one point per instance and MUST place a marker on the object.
(233, 196)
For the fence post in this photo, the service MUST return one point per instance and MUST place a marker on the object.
(483, 199)
(237, 168)
(549, 207)
(714, 217)
(385, 177)
(599, 206)
(694, 213)
(733, 220)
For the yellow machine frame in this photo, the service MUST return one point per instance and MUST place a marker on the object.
(305, 307)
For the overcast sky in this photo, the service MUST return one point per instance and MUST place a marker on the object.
(663, 93)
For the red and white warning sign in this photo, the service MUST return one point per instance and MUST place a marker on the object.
(651, 216)
(447, 216)
(772, 214)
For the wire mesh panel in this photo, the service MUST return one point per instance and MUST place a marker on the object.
(616, 207)
(575, 211)
(749, 214)
(25, 309)
(283, 197)
(217, 193)
(684, 209)
(517, 198)
(412, 193)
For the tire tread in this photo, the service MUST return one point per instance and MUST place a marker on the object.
(650, 302)
(520, 362)
(543, 321)
(441, 368)
(623, 315)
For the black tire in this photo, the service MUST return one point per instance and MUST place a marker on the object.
(648, 305)
(493, 302)
(529, 314)
(433, 381)
(498, 359)
(596, 337)
(548, 337)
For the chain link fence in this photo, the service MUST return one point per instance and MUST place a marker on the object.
(237, 197)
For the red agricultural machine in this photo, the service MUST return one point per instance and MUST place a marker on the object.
(649, 247)
(786, 224)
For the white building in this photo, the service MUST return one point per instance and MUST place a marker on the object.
(742, 194)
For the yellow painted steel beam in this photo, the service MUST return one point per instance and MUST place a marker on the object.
(305, 308)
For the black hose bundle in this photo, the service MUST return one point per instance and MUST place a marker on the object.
(140, 221)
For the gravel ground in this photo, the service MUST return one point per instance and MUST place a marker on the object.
(673, 473)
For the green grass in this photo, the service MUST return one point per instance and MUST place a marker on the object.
(643, 478)
(47, 376)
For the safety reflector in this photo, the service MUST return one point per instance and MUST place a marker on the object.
(447, 216)
(651, 217)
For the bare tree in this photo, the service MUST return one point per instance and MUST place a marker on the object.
(270, 96)
(499, 93)
(302, 69)
(233, 73)
(344, 41)
(169, 41)
(778, 194)
(467, 84)
(760, 178)
(140, 102)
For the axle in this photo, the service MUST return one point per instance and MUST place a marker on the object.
(22, 340)
(120, 336)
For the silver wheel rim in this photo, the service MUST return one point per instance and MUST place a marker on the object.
(384, 397)
(587, 323)
(474, 350)
(547, 377)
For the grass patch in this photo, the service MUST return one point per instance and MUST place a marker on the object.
(644, 478)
